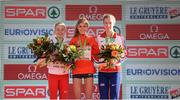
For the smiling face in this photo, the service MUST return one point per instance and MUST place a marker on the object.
(59, 31)
(108, 24)
(82, 28)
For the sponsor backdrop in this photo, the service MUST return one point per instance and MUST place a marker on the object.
(151, 29)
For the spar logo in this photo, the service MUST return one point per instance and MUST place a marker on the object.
(53, 12)
(24, 91)
(117, 29)
(24, 72)
(175, 52)
(92, 12)
(147, 51)
(28, 12)
(92, 31)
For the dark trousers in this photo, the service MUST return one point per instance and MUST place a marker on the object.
(109, 85)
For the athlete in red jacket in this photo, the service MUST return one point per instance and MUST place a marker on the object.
(84, 65)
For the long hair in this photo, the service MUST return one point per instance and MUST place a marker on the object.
(81, 20)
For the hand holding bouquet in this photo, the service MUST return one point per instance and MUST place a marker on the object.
(111, 53)
(47, 51)
(42, 47)
(68, 54)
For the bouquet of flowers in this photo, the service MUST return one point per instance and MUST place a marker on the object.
(68, 55)
(111, 53)
(42, 47)
(45, 48)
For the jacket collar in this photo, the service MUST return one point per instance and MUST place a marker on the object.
(103, 35)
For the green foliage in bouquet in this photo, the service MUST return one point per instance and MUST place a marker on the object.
(68, 54)
(42, 47)
(111, 53)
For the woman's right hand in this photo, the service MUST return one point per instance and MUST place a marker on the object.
(41, 63)
(102, 65)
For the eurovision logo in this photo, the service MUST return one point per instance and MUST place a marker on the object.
(31, 12)
(156, 71)
(26, 32)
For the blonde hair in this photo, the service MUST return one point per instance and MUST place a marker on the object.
(81, 20)
(59, 23)
(109, 16)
